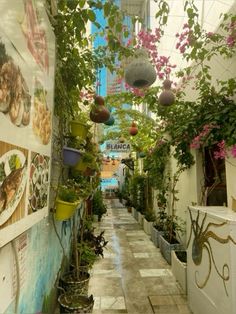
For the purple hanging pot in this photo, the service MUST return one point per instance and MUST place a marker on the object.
(71, 156)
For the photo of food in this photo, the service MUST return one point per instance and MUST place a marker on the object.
(39, 182)
(13, 175)
(15, 100)
(35, 34)
(41, 115)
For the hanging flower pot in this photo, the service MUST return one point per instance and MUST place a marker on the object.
(140, 72)
(64, 210)
(133, 130)
(142, 155)
(78, 128)
(71, 156)
(167, 97)
(87, 160)
(99, 113)
(110, 121)
(89, 172)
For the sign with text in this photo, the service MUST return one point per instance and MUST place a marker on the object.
(118, 147)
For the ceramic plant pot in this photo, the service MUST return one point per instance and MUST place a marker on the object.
(73, 285)
(99, 113)
(179, 269)
(110, 121)
(64, 210)
(166, 98)
(81, 165)
(78, 128)
(166, 248)
(71, 156)
(141, 155)
(73, 303)
(140, 72)
(133, 130)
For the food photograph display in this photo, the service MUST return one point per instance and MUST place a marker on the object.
(38, 182)
(27, 61)
(41, 115)
(13, 178)
(15, 100)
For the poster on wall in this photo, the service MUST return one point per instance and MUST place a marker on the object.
(27, 58)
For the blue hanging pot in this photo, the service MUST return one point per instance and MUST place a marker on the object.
(110, 121)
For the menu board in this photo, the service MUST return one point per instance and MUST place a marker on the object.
(27, 58)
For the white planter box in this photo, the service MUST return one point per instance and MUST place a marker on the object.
(166, 248)
(147, 226)
(155, 235)
(133, 212)
(140, 219)
(179, 270)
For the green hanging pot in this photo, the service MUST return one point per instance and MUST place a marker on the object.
(78, 128)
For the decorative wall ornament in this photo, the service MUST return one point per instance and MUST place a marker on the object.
(140, 72)
(166, 98)
(99, 113)
(110, 121)
(133, 130)
(201, 242)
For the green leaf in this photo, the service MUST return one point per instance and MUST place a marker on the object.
(119, 28)
(82, 3)
(111, 21)
(107, 9)
(91, 16)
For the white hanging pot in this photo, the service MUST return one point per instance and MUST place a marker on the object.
(140, 72)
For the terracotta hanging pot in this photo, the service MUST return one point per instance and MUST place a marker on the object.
(99, 113)
(133, 130)
(167, 97)
(110, 121)
(140, 72)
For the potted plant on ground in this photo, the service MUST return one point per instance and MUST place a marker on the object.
(128, 205)
(179, 267)
(158, 226)
(98, 207)
(149, 218)
(169, 240)
(75, 282)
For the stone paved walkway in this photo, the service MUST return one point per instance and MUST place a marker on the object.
(133, 277)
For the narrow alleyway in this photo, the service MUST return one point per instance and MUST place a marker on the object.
(133, 277)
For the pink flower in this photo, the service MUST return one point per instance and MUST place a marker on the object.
(221, 152)
(233, 151)
(210, 34)
(230, 41)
